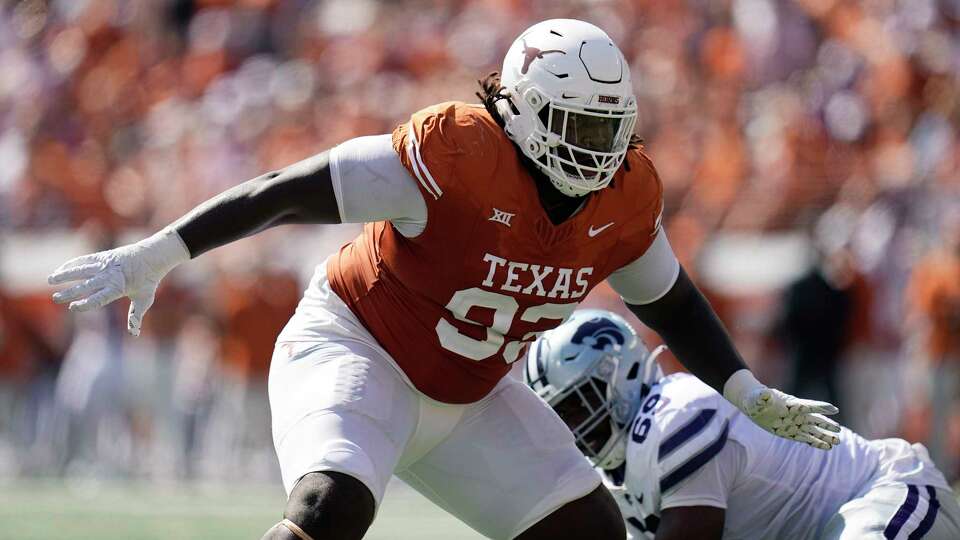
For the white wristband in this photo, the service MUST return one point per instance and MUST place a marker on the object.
(165, 250)
(738, 385)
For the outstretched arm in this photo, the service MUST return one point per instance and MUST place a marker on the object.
(300, 193)
(659, 292)
(692, 331)
(360, 180)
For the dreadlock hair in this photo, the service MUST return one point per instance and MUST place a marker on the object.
(491, 91)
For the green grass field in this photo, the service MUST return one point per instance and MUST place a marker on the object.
(48, 510)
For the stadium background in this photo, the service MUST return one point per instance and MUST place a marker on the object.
(788, 133)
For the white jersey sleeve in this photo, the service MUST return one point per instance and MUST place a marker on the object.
(648, 277)
(371, 184)
(676, 439)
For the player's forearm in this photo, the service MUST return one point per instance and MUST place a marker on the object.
(692, 330)
(300, 193)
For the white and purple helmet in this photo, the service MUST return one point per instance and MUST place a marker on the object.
(591, 370)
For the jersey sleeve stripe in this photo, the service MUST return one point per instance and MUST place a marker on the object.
(416, 160)
(685, 433)
(933, 506)
(682, 472)
(416, 169)
(903, 513)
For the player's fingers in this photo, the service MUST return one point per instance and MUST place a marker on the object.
(78, 261)
(85, 288)
(812, 406)
(138, 307)
(822, 421)
(100, 299)
(825, 437)
(821, 434)
(812, 441)
(71, 273)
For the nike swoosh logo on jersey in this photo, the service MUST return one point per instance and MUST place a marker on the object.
(593, 232)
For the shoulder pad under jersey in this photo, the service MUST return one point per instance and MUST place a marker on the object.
(446, 145)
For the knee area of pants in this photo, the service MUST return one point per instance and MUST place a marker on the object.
(331, 505)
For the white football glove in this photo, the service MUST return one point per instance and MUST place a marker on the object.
(134, 271)
(801, 420)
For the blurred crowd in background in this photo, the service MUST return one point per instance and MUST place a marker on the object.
(808, 150)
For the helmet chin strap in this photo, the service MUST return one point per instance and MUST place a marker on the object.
(563, 187)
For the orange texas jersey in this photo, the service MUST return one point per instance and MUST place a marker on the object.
(456, 305)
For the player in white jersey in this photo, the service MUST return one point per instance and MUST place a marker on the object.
(683, 463)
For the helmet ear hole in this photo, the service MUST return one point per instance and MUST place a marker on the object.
(634, 371)
(535, 147)
(534, 99)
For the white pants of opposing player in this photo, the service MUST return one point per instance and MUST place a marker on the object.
(897, 512)
(339, 404)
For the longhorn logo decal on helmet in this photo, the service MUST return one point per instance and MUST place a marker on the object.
(532, 53)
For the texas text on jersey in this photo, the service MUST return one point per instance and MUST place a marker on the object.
(455, 305)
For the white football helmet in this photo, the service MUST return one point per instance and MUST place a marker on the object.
(570, 104)
(592, 370)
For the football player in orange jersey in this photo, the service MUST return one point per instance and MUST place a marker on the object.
(485, 226)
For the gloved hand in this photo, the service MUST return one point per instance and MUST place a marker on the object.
(783, 415)
(134, 271)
